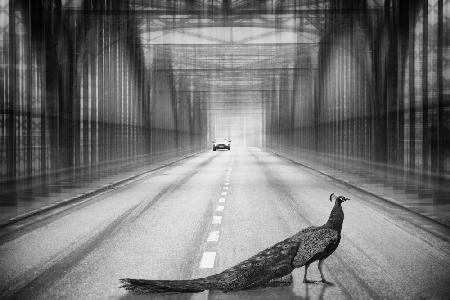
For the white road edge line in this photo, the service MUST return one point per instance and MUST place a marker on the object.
(207, 261)
(222, 200)
(223, 194)
(220, 208)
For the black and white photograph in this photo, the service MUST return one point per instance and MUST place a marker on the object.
(224, 149)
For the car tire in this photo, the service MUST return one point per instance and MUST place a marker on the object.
(229, 148)
(214, 149)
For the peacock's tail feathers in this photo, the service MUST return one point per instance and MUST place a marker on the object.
(142, 286)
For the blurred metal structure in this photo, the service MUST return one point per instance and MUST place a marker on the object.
(89, 87)
(373, 101)
(79, 99)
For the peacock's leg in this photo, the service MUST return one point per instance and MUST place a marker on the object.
(305, 280)
(321, 272)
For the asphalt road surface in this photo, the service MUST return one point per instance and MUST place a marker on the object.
(209, 212)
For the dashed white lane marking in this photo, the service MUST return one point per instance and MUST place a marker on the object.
(213, 236)
(208, 258)
(207, 261)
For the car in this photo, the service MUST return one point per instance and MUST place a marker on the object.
(222, 144)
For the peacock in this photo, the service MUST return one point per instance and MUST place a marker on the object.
(270, 267)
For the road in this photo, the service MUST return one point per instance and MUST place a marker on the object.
(233, 204)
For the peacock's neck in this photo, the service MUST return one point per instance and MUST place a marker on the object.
(336, 217)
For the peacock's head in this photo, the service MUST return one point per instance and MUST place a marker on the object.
(338, 199)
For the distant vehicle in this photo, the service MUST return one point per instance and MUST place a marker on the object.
(221, 144)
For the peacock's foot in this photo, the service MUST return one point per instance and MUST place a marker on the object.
(309, 281)
(282, 281)
(317, 282)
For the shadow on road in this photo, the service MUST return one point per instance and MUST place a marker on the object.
(316, 291)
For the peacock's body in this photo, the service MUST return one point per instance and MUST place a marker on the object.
(266, 267)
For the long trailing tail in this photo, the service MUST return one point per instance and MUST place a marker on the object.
(142, 286)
